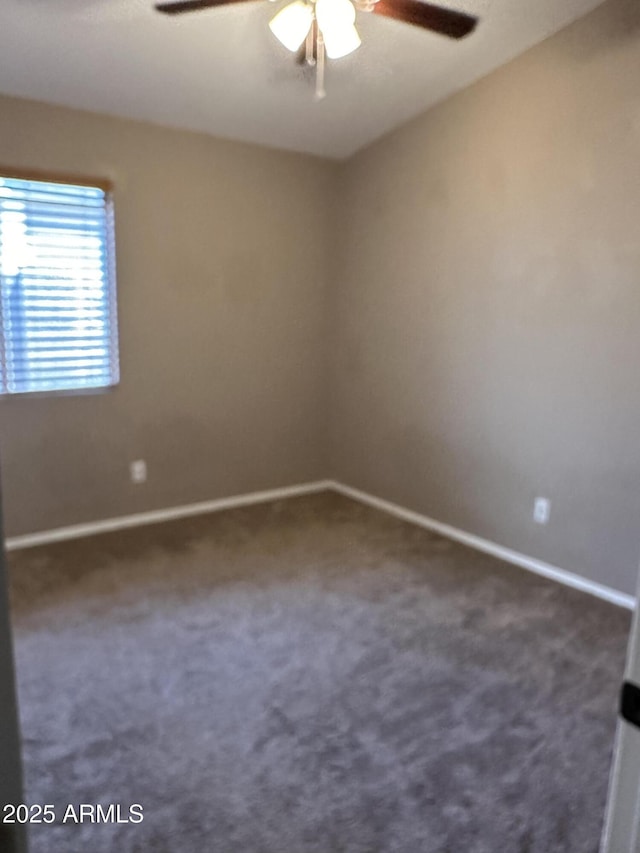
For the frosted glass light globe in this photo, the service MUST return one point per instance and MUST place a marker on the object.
(291, 25)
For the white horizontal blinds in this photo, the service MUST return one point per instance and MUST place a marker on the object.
(57, 308)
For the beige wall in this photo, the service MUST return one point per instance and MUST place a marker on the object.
(221, 286)
(487, 317)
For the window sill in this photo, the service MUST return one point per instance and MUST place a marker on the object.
(67, 392)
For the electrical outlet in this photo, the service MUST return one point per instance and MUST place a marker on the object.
(541, 510)
(138, 471)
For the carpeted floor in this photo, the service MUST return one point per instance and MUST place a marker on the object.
(310, 676)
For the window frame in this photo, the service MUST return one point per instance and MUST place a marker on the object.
(107, 186)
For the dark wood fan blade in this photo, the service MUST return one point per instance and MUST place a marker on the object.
(178, 7)
(446, 22)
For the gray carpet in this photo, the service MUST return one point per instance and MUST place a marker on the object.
(311, 676)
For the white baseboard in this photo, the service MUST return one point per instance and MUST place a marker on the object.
(507, 554)
(77, 531)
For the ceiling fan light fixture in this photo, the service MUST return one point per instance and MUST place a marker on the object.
(335, 13)
(340, 41)
(336, 19)
(291, 25)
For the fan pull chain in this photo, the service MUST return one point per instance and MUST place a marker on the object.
(320, 90)
(310, 45)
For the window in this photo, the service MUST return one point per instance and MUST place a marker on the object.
(58, 328)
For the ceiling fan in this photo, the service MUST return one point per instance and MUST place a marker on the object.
(315, 28)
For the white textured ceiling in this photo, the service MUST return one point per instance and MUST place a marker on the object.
(221, 71)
